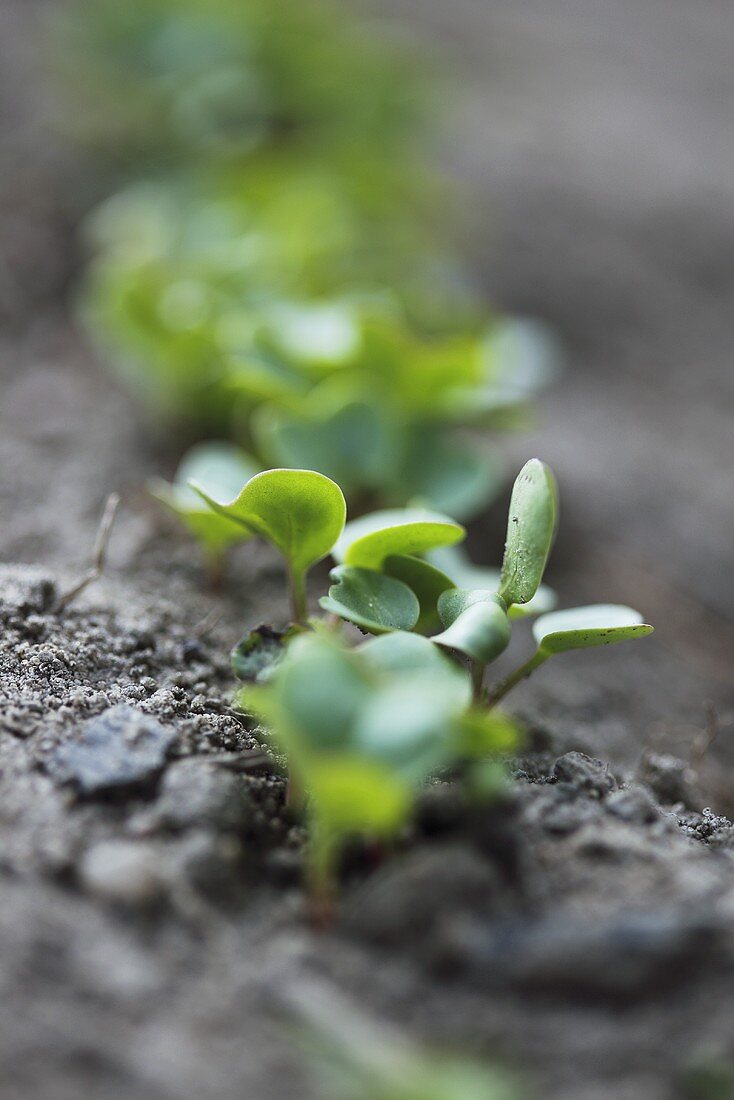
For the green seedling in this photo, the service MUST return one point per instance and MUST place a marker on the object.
(369, 541)
(455, 564)
(384, 566)
(264, 278)
(220, 469)
(299, 512)
(363, 729)
(577, 628)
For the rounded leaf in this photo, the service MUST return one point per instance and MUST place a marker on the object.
(426, 581)
(354, 794)
(300, 512)
(371, 600)
(478, 625)
(314, 697)
(583, 627)
(406, 726)
(454, 601)
(220, 468)
(400, 655)
(531, 528)
(367, 541)
(455, 562)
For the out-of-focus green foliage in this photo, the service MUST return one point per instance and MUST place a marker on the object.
(279, 273)
(220, 468)
(354, 1058)
(169, 81)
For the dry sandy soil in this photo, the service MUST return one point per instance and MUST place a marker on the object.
(151, 922)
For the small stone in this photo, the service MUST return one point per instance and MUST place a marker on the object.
(411, 897)
(122, 872)
(196, 793)
(562, 816)
(120, 749)
(633, 804)
(670, 779)
(583, 773)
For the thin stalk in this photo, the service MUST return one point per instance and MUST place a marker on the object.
(214, 567)
(515, 677)
(320, 871)
(477, 679)
(297, 586)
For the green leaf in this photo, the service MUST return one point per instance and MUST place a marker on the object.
(583, 627)
(400, 655)
(405, 724)
(300, 512)
(371, 600)
(455, 601)
(455, 563)
(315, 697)
(481, 733)
(351, 794)
(426, 581)
(369, 540)
(476, 624)
(447, 474)
(531, 528)
(351, 444)
(220, 468)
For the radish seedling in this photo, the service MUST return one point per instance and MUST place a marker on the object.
(363, 728)
(299, 512)
(383, 567)
(220, 469)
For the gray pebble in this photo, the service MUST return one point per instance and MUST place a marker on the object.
(121, 748)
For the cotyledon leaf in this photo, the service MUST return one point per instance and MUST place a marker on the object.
(221, 469)
(583, 627)
(369, 540)
(301, 512)
(476, 624)
(531, 527)
(426, 581)
(371, 600)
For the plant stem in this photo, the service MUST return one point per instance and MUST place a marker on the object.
(514, 678)
(477, 679)
(297, 585)
(320, 871)
(214, 566)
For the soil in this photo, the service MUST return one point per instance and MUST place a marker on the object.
(153, 940)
